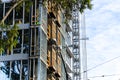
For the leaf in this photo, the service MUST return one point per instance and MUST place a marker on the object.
(11, 37)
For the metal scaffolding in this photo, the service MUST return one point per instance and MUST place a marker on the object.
(76, 46)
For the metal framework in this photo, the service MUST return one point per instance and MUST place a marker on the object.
(29, 56)
(28, 61)
(76, 46)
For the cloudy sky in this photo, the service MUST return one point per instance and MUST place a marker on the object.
(103, 30)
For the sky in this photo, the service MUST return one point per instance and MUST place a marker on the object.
(103, 30)
(5, 0)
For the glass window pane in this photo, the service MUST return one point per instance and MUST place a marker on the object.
(4, 70)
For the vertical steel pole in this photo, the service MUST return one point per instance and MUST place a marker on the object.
(23, 13)
(10, 70)
(39, 74)
(3, 9)
(22, 41)
(13, 16)
(21, 66)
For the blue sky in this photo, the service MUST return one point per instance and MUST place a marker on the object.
(103, 30)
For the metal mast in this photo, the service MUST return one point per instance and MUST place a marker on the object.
(76, 46)
(83, 48)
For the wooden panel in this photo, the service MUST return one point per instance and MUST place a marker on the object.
(59, 65)
(48, 31)
(59, 17)
(51, 59)
(48, 58)
(51, 8)
(53, 30)
(52, 78)
(59, 38)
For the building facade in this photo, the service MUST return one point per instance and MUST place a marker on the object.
(44, 49)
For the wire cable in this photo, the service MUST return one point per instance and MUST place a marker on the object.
(105, 75)
(102, 76)
(100, 64)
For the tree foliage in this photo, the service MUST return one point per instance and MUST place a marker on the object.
(8, 38)
(69, 5)
(9, 34)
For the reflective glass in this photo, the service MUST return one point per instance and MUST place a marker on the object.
(5, 70)
(19, 70)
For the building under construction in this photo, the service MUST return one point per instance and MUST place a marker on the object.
(47, 49)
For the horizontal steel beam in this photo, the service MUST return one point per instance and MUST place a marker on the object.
(14, 57)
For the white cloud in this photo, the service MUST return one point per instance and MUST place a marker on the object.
(113, 6)
(107, 38)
